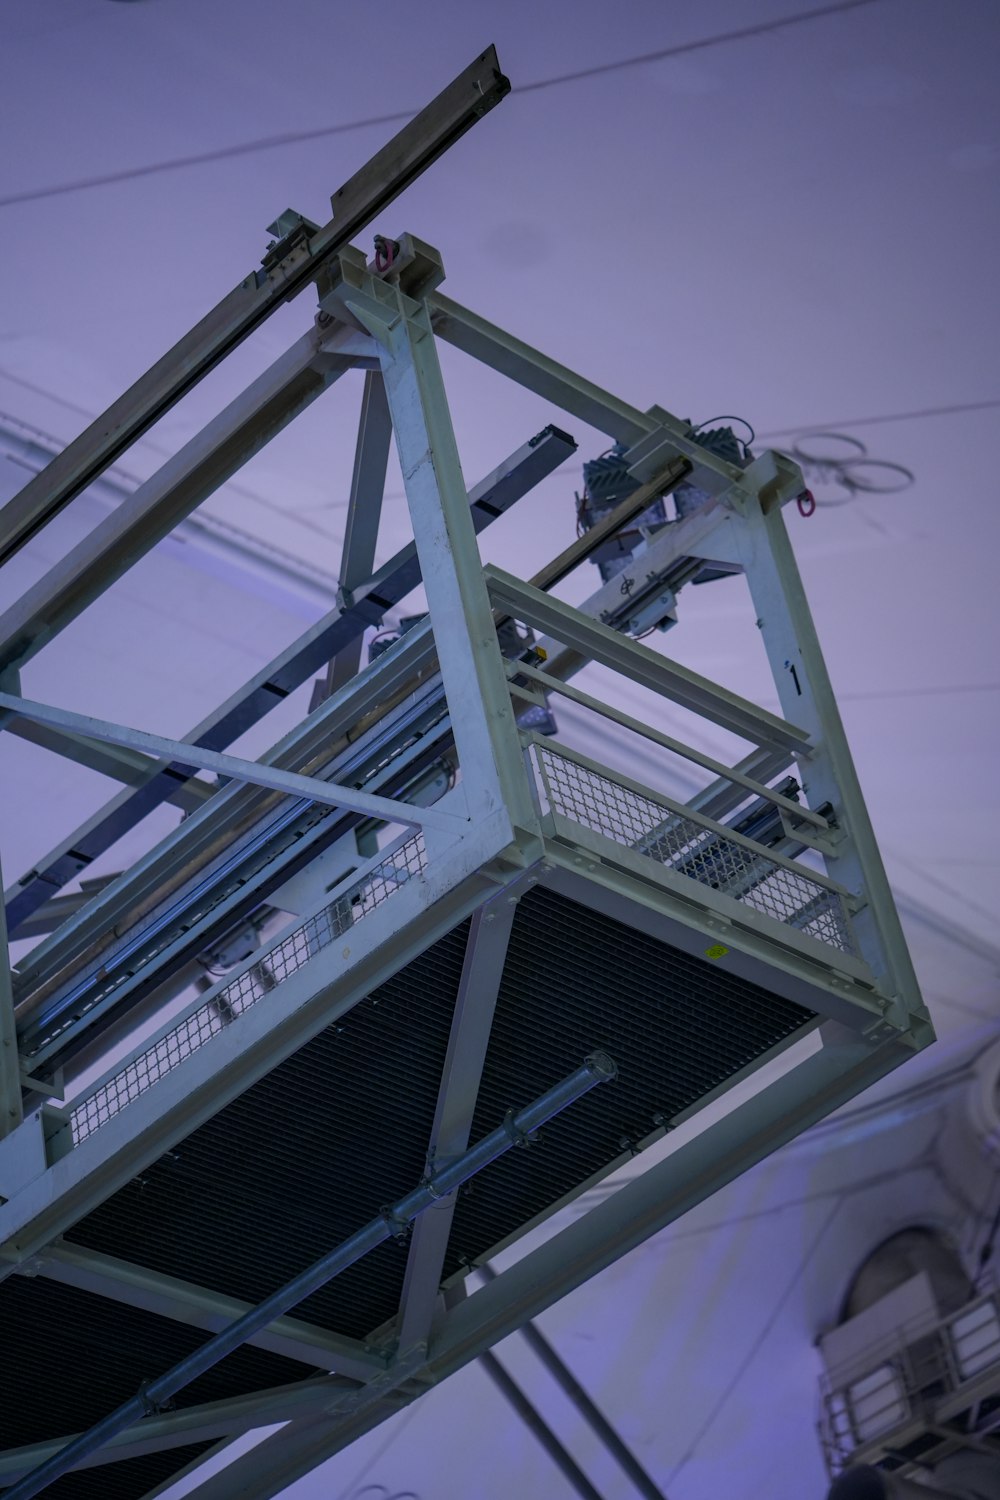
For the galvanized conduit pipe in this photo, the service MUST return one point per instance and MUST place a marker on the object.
(591, 1413)
(515, 1130)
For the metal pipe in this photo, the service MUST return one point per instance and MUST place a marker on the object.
(591, 1413)
(515, 1130)
(540, 1429)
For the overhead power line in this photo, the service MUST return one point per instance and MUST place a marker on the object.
(895, 416)
(944, 690)
(295, 137)
(680, 49)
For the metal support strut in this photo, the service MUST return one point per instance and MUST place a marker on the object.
(598, 1068)
(588, 1409)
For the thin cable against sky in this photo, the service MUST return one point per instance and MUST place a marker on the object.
(758, 1343)
(294, 137)
(896, 416)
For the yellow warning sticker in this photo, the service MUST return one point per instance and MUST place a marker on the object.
(716, 951)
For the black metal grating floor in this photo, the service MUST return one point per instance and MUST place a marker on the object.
(71, 1357)
(576, 980)
(302, 1159)
(128, 1480)
(312, 1152)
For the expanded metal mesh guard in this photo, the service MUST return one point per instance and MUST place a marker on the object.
(596, 801)
(275, 964)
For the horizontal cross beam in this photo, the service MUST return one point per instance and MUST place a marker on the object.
(646, 667)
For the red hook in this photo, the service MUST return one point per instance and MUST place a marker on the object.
(806, 503)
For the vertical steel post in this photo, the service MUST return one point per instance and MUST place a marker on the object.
(472, 1022)
(11, 1108)
(464, 632)
(828, 774)
(367, 485)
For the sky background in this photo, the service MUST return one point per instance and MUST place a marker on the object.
(798, 226)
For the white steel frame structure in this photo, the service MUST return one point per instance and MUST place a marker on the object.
(807, 918)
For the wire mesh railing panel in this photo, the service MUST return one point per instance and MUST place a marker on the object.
(284, 958)
(902, 1377)
(597, 801)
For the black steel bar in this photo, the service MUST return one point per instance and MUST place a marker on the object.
(588, 1409)
(393, 1220)
(538, 1427)
(454, 111)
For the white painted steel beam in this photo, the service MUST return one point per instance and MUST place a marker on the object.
(128, 766)
(299, 1448)
(192, 1424)
(762, 547)
(642, 665)
(554, 382)
(234, 766)
(198, 1307)
(11, 1109)
(469, 657)
(479, 986)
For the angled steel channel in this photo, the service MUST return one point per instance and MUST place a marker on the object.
(307, 655)
(289, 268)
(538, 1427)
(364, 508)
(584, 1403)
(128, 766)
(235, 767)
(11, 1108)
(554, 382)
